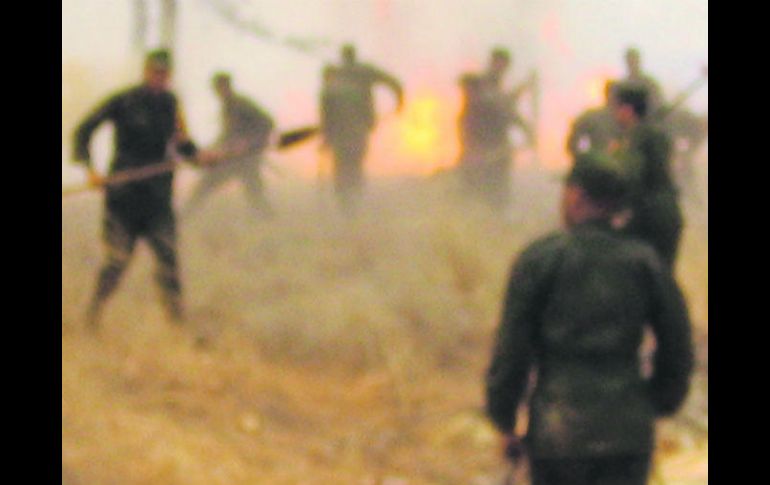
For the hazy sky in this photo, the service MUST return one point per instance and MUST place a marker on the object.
(426, 43)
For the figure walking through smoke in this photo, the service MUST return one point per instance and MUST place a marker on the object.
(239, 151)
(347, 119)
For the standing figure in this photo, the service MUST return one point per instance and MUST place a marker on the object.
(645, 153)
(238, 153)
(148, 123)
(594, 129)
(577, 304)
(635, 76)
(347, 119)
(487, 115)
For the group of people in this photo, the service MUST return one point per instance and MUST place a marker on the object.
(150, 129)
(577, 303)
(596, 128)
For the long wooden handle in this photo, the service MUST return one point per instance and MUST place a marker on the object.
(123, 177)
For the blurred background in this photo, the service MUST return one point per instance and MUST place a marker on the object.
(342, 351)
(276, 50)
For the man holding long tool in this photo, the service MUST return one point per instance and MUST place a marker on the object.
(147, 123)
(246, 130)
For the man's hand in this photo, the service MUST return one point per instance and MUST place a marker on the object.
(209, 157)
(511, 446)
(94, 178)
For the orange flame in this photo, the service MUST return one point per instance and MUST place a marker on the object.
(419, 129)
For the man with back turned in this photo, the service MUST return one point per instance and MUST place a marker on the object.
(577, 304)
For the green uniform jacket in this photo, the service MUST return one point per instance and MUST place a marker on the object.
(657, 216)
(347, 100)
(596, 126)
(574, 313)
(145, 124)
(241, 118)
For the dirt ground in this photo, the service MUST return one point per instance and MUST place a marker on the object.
(320, 350)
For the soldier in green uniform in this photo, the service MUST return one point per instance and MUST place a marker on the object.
(246, 130)
(148, 123)
(488, 113)
(594, 129)
(635, 76)
(577, 304)
(644, 150)
(348, 117)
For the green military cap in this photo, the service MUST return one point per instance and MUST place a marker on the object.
(159, 58)
(600, 177)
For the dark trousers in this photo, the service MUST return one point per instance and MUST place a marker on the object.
(658, 220)
(349, 153)
(486, 175)
(609, 470)
(120, 232)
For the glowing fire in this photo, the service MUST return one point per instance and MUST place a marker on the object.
(419, 140)
(419, 128)
(595, 90)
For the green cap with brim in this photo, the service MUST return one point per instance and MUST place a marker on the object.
(600, 177)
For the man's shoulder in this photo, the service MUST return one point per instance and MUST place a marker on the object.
(545, 246)
(241, 100)
(591, 115)
(636, 250)
(652, 132)
(246, 104)
(127, 92)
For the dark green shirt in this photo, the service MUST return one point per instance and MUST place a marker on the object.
(145, 123)
(575, 310)
(645, 153)
(242, 119)
(595, 128)
(347, 100)
(657, 218)
(487, 115)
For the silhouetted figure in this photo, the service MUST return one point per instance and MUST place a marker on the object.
(645, 153)
(487, 116)
(577, 304)
(238, 153)
(595, 128)
(348, 117)
(635, 76)
(147, 124)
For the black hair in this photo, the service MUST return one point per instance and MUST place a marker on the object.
(634, 96)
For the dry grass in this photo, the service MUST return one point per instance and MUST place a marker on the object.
(345, 352)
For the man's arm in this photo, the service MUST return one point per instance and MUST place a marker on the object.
(674, 353)
(182, 141)
(577, 131)
(83, 133)
(86, 129)
(526, 296)
(382, 77)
